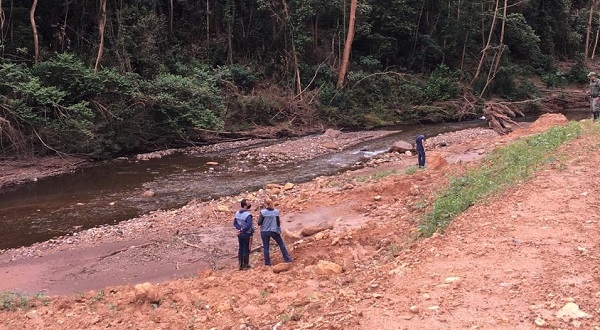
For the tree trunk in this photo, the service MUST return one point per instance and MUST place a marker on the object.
(231, 19)
(588, 31)
(1, 21)
(36, 44)
(207, 26)
(229, 44)
(294, 54)
(498, 56)
(171, 16)
(101, 26)
(347, 45)
(487, 46)
(595, 44)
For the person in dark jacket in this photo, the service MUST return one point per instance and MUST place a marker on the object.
(594, 95)
(420, 150)
(270, 227)
(242, 221)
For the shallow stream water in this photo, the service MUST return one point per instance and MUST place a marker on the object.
(109, 192)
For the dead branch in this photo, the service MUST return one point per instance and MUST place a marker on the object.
(499, 116)
(110, 254)
(190, 244)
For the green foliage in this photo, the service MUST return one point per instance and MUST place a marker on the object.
(11, 301)
(579, 71)
(244, 110)
(162, 77)
(412, 169)
(382, 174)
(380, 99)
(68, 107)
(369, 100)
(239, 75)
(506, 166)
(554, 79)
(521, 39)
(442, 84)
(179, 104)
(509, 83)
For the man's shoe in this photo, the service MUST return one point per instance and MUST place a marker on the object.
(247, 262)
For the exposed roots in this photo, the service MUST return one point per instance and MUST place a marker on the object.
(499, 116)
(10, 137)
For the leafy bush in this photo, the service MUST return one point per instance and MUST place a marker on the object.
(442, 84)
(240, 75)
(180, 104)
(65, 106)
(252, 109)
(579, 71)
(381, 99)
(510, 84)
(554, 79)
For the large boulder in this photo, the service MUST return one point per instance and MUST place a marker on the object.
(332, 133)
(328, 268)
(147, 292)
(401, 146)
(290, 236)
(282, 267)
(313, 229)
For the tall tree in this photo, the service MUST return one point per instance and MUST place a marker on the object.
(593, 6)
(101, 26)
(348, 45)
(36, 43)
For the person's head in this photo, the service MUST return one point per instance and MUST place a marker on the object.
(244, 204)
(268, 203)
(592, 75)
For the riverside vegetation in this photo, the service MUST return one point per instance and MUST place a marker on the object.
(102, 79)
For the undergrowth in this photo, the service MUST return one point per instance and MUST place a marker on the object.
(506, 166)
(10, 301)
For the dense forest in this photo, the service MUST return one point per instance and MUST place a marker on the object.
(99, 78)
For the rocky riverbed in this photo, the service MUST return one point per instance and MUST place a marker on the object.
(495, 267)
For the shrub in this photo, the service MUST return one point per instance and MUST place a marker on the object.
(579, 71)
(63, 105)
(554, 79)
(442, 84)
(239, 75)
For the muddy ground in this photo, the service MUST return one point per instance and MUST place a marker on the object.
(526, 259)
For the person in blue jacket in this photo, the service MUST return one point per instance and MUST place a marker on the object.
(242, 221)
(420, 150)
(270, 227)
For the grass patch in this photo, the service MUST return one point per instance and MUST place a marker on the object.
(11, 301)
(411, 169)
(506, 166)
(376, 177)
(382, 174)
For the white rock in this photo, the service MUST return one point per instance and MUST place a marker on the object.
(452, 279)
(571, 310)
(540, 322)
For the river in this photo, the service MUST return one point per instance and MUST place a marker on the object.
(108, 192)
